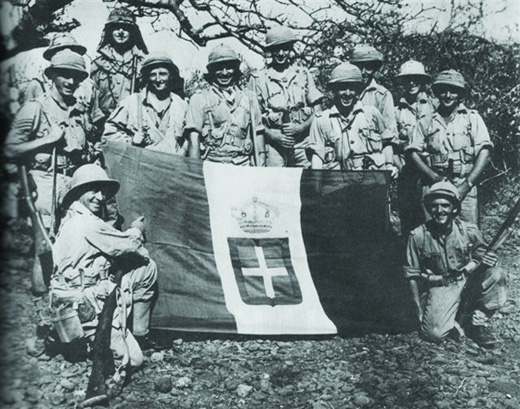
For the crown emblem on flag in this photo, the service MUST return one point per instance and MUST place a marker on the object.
(255, 216)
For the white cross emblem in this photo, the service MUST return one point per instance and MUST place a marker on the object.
(263, 271)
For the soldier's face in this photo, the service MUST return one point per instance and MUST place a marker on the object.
(281, 54)
(368, 69)
(66, 81)
(225, 74)
(442, 212)
(158, 79)
(413, 84)
(345, 95)
(448, 95)
(120, 34)
(93, 200)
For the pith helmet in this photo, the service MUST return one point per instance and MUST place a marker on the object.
(61, 42)
(159, 59)
(445, 190)
(69, 60)
(222, 53)
(87, 177)
(345, 72)
(366, 53)
(450, 77)
(121, 15)
(279, 35)
(412, 68)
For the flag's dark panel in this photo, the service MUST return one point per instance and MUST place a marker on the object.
(354, 260)
(169, 192)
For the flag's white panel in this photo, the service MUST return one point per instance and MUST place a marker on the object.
(259, 250)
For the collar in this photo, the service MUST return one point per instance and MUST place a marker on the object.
(358, 107)
(54, 95)
(284, 76)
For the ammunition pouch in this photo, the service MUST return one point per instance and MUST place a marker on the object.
(453, 164)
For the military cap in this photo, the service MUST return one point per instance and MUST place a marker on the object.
(450, 77)
(366, 53)
(279, 35)
(67, 60)
(445, 190)
(345, 72)
(60, 42)
(121, 15)
(159, 59)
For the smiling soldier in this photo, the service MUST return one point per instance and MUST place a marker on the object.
(454, 144)
(224, 122)
(441, 263)
(154, 117)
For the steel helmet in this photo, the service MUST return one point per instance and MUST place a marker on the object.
(121, 15)
(366, 53)
(61, 42)
(450, 77)
(345, 72)
(159, 59)
(445, 190)
(222, 53)
(279, 35)
(412, 68)
(87, 177)
(69, 60)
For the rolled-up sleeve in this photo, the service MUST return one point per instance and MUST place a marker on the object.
(318, 138)
(412, 267)
(194, 115)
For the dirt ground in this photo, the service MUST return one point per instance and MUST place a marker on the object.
(200, 371)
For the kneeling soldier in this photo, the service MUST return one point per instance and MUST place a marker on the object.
(442, 264)
(87, 249)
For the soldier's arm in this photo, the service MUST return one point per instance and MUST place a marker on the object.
(194, 144)
(482, 160)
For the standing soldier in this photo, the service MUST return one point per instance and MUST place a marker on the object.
(289, 99)
(369, 61)
(223, 122)
(455, 144)
(86, 95)
(49, 136)
(414, 105)
(350, 135)
(441, 263)
(120, 54)
(153, 117)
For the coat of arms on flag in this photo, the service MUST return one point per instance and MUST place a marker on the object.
(264, 271)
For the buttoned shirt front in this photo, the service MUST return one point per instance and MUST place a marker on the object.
(343, 142)
(443, 255)
(407, 115)
(223, 120)
(137, 113)
(378, 96)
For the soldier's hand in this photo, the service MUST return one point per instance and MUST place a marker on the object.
(394, 169)
(55, 133)
(282, 139)
(490, 259)
(138, 138)
(291, 129)
(138, 224)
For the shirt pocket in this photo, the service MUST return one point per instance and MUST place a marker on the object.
(433, 261)
(460, 141)
(374, 142)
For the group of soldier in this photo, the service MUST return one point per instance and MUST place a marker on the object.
(432, 144)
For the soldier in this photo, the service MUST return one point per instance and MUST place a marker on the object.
(442, 260)
(153, 117)
(49, 136)
(455, 144)
(350, 135)
(414, 105)
(120, 54)
(85, 253)
(223, 122)
(369, 61)
(86, 95)
(288, 98)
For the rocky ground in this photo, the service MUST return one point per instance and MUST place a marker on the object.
(195, 371)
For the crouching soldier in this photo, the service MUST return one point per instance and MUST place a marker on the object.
(85, 253)
(442, 263)
(348, 136)
(223, 122)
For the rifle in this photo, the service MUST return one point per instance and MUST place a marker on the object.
(252, 114)
(42, 241)
(133, 83)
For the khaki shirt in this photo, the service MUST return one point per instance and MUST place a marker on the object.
(224, 123)
(443, 255)
(378, 96)
(345, 142)
(407, 115)
(136, 113)
(112, 73)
